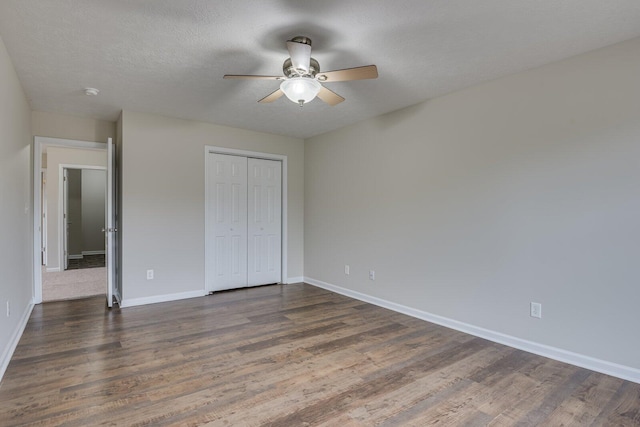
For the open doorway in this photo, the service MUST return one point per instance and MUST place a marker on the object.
(71, 211)
(82, 196)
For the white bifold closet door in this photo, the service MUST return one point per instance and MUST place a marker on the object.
(265, 221)
(245, 209)
(228, 211)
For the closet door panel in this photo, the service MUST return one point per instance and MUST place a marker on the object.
(265, 221)
(228, 221)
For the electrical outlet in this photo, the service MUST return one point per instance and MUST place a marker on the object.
(536, 310)
(346, 269)
(149, 274)
(372, 275)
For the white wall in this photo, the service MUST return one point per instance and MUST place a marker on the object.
(55, 157)
(94, 191)
(63, 126)
(15, 208)
(162, 222)
(472, 205)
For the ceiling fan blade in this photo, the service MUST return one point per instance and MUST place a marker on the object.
(357, 73)
(240, 76)
(329, 96)
(272, 96)
(300, 54)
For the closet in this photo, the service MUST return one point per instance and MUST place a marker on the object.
(244, 221)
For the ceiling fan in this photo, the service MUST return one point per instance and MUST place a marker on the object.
(302, 80)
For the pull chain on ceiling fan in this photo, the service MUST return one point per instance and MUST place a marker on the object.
(302, 80)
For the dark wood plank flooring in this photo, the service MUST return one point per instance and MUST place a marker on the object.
(291, 355)
(87, 261)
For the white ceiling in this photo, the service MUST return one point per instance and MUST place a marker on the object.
(168, 56)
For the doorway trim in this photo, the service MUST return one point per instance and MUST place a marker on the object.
(61, 219)
(39, 143)
(43, 216)
(211, 149)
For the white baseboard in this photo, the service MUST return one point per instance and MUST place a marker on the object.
(15, 338)
(78, 256)
(52, 270)
(132, 302)
(93, 252)
(295, 279)
(588, 362)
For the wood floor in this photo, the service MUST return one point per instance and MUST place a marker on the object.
(291, 355)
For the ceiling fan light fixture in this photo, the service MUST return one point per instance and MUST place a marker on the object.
(302, 80)
(300, 89)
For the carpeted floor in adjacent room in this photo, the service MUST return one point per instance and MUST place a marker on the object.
(72, 284)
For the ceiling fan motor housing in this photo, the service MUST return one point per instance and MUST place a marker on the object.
(290, 71)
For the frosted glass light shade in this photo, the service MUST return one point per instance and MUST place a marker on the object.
(300, 89)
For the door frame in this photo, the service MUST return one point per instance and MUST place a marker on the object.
(211, 149)
(43, 217)
(63, 225)
(39, 143)
(61, 221)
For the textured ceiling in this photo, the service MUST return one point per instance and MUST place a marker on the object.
(169, 56)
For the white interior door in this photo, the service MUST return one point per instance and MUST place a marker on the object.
(65, 218)
(110, 229)
(227, 209)
(265, 221)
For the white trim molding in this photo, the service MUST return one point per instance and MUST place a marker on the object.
(84, 253)
(50, 270)
(132, 302)
(15, 338)
(295, 280)
(620, 371)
